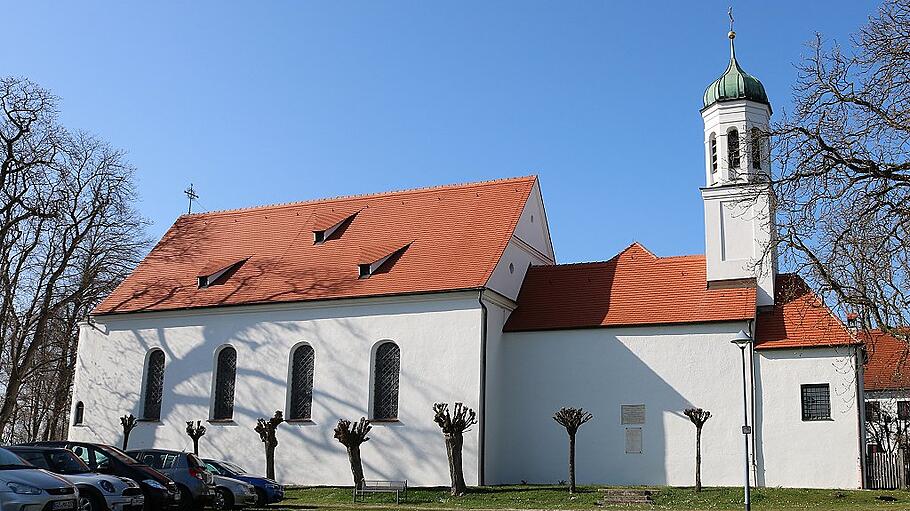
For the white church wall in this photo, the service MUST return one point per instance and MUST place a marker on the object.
(810, 454)
(438, 336)
(666, 369)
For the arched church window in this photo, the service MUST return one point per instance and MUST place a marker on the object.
(733, 152)
(302, 361)
(713, 154)
(79, 414)
(385, 381)
(225, 375)
(756, 142)
(154, 385)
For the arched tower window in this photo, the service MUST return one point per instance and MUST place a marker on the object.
(79, 414)
(385, 381)
(713, 154)
(733, 152)
(154, 385)
(301, 402)
(225, 376)
(756, 141)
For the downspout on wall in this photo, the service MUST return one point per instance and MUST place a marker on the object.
(481, 423)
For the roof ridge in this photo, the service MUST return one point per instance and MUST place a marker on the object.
(605, 261)
(340, 198)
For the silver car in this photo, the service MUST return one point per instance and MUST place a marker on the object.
(97, 492)
(233, 494)
(24, 487)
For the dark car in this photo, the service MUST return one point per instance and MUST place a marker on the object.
(161, 493)
(186, 469)
(267, 490)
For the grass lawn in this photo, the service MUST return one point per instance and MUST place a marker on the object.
(556, 497)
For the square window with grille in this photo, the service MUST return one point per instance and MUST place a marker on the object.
(873, 411)
(816, 401)
(903, 410)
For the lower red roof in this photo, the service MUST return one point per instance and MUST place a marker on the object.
(888, 367)
(799, 319)
(634, 288)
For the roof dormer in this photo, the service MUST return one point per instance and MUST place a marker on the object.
(216, 272)
(379, 259)
(331, 223)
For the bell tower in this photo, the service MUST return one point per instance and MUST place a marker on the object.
(738, 217)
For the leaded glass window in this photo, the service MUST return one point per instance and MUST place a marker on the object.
(79, 413)
(733, 153)
(816, 401)
(385, 382)
(302, 361)
(154, 386)
(225, 375)
(756, 148)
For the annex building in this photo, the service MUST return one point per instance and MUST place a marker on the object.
(381, 305)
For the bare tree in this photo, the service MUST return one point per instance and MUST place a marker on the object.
(572, 419)
(195, 432)
(68, 234)
(842, 182)
(266, 430)
(698, 417)
(453, 428)
(128, 423)
(351, 435)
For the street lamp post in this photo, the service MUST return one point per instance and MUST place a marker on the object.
(742, 341)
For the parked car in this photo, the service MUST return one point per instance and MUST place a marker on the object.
(97, 492)
(233, 493)
(267, 490)
(24, 487)
(196, 484)
(160, 492)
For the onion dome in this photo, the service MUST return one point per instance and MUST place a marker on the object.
(735, 84)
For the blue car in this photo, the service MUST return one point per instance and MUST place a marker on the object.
(267, 491)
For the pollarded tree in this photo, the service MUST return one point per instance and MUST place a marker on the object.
(698, 417)
(572, 419)
(453, 427)
(266, 430)
(351, 435)
(195, 432)
(128, 422)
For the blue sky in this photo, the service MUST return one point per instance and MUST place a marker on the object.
(264, 102)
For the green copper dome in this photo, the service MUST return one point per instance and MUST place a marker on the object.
(735, 84)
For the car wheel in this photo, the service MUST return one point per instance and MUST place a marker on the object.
(224, 499)
(90, 502)
(260, 497)
(186, 499)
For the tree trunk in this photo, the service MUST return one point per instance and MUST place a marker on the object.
(698, 459)
(454, 444)
(126, 439)
(571, 463)
(270, 461)
(356, 465)
(196, 447)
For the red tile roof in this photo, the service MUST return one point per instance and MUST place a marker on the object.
(457, 234)
(888, 367)
(634, 288)
(799, 319)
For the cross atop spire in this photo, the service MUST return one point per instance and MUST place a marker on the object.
(731, 34)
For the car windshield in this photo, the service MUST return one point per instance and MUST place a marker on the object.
(119, 455)
(9, 461)
(65, 462)
(232, 467)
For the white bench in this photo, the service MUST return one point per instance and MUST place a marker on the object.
(399, 488)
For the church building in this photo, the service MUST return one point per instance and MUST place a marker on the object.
(380, 305)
